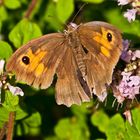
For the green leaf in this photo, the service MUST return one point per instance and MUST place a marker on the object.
(4, 114)
(22, 129)
(34, 120)
(81, 112)
(71, 129)
(12, 4)
(29, 125)
(116, 128)
(0, 25)
(132, 132)
(11, 101)
(23, 32)
(64, 9)
(100, 139)
(3, 13)
(1, 124)
(20, 113)
(101, 120)
(34, 131)
(136, 118)
(51, 138)
(51, 17)
(93, 1)
(5, 50)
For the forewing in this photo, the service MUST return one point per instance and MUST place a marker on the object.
(69, 90)
(44, 55)
(102, 53)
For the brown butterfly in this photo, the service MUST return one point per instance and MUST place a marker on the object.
(83, 57)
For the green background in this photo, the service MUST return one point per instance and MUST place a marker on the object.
(38, 117)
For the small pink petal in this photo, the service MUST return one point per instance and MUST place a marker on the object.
(15, 90)
(128, 116)
(123, 2)
(136, 90)
(126, 44)
(130, 14)
(126, 75)
(137, 53)
(126, 54)
(134, 81)
(120, 99)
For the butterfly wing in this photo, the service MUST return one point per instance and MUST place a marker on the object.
(69, 90)
(35, 63)
(103, 44)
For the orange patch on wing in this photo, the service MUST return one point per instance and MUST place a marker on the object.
(39, 70)
(102, 39)
(38, 51)
(30, 54)
(36, 60)
(105, 51)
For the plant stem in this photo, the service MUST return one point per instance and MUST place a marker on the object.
(10, 126)
(30, 8)
(3, 131)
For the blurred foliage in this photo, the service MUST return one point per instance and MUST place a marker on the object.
(37, 115)
(23, 32)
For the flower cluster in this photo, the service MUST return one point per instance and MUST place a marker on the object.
(129, 85)
(128, 55)
(131, 13)
(3, 84)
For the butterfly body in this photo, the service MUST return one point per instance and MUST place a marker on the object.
(76, 46)
(83, 57)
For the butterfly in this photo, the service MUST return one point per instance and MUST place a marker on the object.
(83, 58)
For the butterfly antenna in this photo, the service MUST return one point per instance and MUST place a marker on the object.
(79, 11)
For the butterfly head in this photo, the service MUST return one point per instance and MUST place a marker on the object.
(71, 27)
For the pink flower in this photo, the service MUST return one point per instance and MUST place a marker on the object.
(126, 44)
(129, 86)
(130, 14)
(126, 75)
(126, 55)
(119, 97)
(136, 54)
(15, 90)
(123, 2)
(134, 81)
